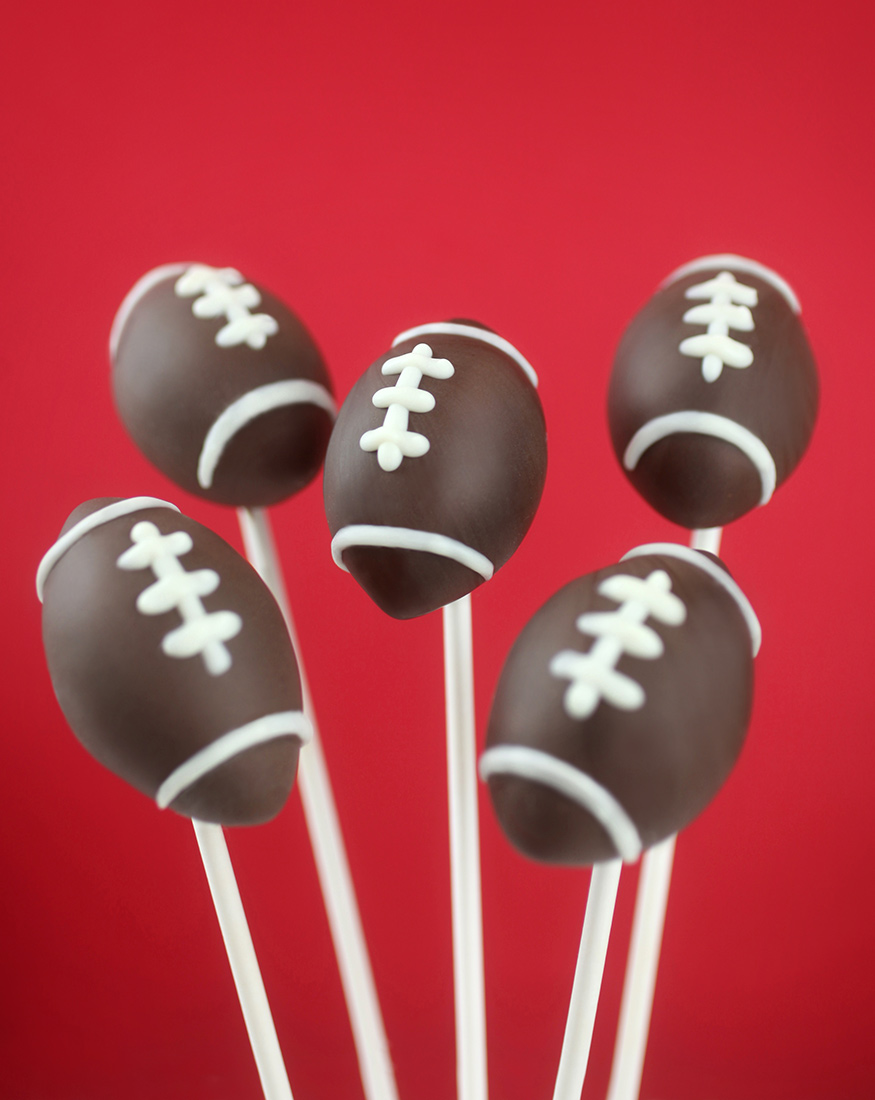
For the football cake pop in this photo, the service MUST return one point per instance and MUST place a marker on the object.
(714, 391)
(220, 385)
(435, 467)
(171, 660)
(622, 707)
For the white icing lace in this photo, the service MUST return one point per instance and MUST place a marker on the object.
(202, 632)
(222, 292)
(392, 441)
(593, 675)
(727, 305)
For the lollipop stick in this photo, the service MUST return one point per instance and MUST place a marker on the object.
(244, 965)
(329, 851)
(707, 538)
(646, 943)
(464, 853)
(587, 984)
(638, 989)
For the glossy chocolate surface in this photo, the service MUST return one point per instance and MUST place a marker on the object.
(479, 483)
(663, 762)
(142, 713)
(698, 480)
(171, 381)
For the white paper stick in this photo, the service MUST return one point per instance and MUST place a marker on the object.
(640, 983)
(587, 984)
(707, 538)
(244, 965)
(471, 1072)
(329, 851)
(646, 944)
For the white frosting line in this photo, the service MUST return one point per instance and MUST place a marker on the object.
(408, 538)
(95, 519)
(539, 767)
(138, 291)
(705, 423)
(275, 395)
(454, 328)
(267, 728)
(737, 263)
(695, 557)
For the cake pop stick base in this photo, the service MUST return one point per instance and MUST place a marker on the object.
(471, 1071)
(329, 851)
(707, 538)
(244, 964)
(597, 921)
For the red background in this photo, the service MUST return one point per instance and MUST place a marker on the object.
(540, 167)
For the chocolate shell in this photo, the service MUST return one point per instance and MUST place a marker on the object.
(622, 707)
(171, 660)
(220, 385)
(714, 391)
(435, 467)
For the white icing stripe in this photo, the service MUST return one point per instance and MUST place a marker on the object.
(705, 423)
(539, 767)
(95, 519)
(737, 263)
(138, 291)
(454, 328)
(695, 557)
(408, 538)
(275, 395)
(267, 728)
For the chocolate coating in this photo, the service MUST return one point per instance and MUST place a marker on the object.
(664, 760)
(699, 480)
(479, 483)
(143, 713)
(172, 380)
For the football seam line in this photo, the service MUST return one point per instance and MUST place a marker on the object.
(95, 519)
(732, 262)
(138, 291)
(267, 728)
(249, 406)
(697, 422)
(701, 561)
(409, 538)
(454, 328)
(537, 766)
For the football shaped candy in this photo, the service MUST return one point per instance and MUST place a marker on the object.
(220, 385)
(171, 660)
(435, 467)
(714, 391)
(622, 707)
